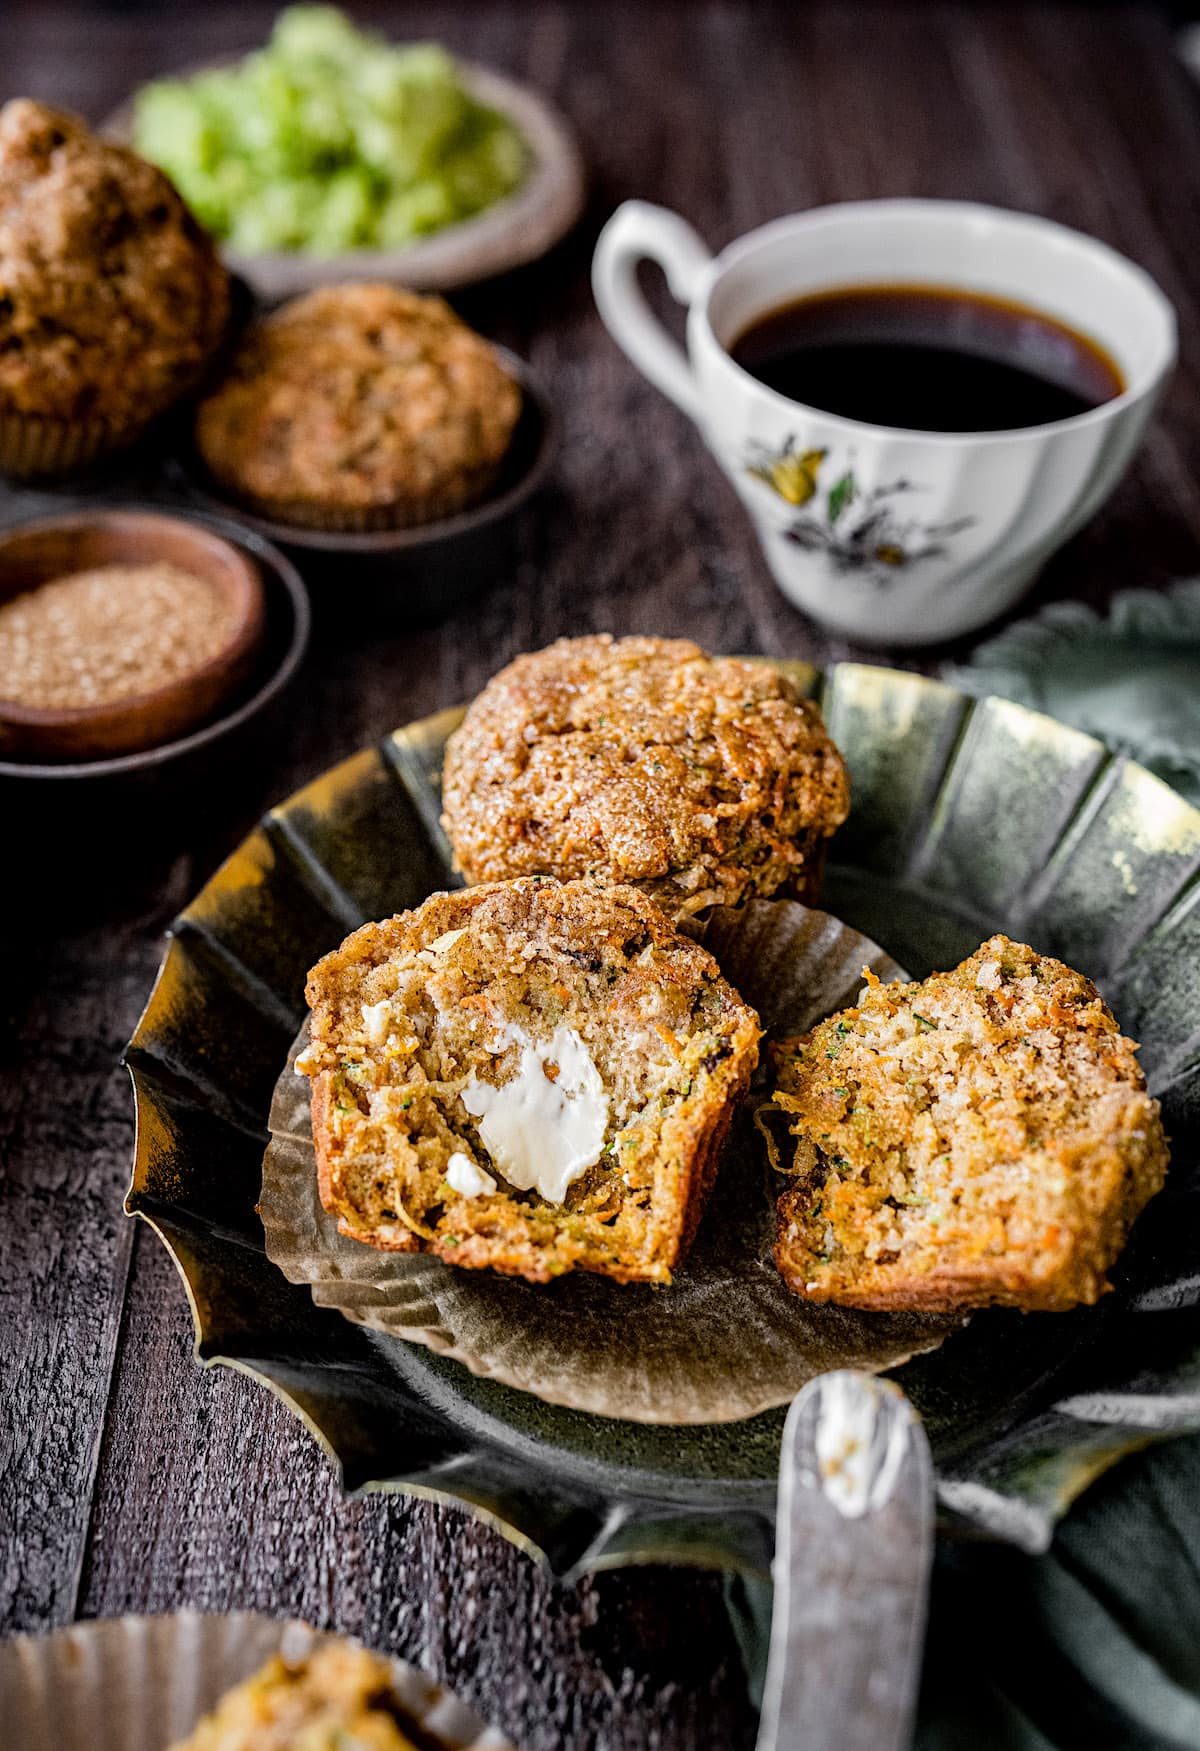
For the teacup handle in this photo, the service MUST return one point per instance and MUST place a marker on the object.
(638, 232)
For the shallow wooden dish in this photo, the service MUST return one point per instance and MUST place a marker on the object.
(32, 554)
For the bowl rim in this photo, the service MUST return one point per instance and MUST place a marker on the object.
(268, 557)
(185, 465)
(518, 229)
(246, 595)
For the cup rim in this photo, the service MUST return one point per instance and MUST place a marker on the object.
(921, 207)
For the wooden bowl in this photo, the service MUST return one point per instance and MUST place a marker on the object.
(34, 553)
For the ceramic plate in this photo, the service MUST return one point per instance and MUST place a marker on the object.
(969, 816)
(516, 230)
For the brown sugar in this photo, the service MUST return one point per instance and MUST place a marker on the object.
(112, 633)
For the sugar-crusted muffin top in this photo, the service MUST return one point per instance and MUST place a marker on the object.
(359, 396)
(982, 1136)
(700, 779)
(112, 298)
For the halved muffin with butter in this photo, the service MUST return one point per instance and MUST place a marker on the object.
(531, 1075)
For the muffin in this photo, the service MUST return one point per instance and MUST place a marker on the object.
(697, 779)
(112, 299)
(338, 1697)
(983, 1137)
(359, 407)
(532, 1076)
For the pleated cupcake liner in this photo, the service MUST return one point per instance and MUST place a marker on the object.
(141, 1683)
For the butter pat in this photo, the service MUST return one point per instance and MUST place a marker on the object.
(543, 1134)
(468, 1179)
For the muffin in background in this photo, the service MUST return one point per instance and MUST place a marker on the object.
(359, 407)
(112, 298)
(700, 780)
(338, 1697)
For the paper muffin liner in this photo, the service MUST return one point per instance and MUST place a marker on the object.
(725, 1341)
(141, 1683)
(376, 519)
(33, 447)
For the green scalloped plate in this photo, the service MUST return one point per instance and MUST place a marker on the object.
(969, 816)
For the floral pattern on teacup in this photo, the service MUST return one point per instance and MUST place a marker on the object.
(860, 530)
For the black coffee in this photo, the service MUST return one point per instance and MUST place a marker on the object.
(927, 358)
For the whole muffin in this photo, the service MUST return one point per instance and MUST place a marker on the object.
(699, 779)
(532, 1076)
(984, 1137)
(359, 407)
(112, 298)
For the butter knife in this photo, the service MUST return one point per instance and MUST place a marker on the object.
(853, 1552)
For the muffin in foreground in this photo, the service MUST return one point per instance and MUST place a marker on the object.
(336, 1698)
(112, 299)
(701, 780)
(359, 407)
(532, 1076)
(984, 1137)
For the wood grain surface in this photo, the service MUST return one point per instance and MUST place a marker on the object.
(131, 1480)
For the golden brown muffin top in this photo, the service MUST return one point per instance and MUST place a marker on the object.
(700, 778)
(112, 298)
(358, 395)
(983, 1136)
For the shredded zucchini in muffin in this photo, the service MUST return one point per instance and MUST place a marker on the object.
(982, 1137)
(531, 1076)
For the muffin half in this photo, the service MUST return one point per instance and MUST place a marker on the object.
(698, 779)
(982, 1137)
(359, 407)
(532, 1076)
(112, 299)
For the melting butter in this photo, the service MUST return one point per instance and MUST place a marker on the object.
(543, 1134)
(467, 1177)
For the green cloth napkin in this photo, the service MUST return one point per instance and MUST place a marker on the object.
(1131, 677)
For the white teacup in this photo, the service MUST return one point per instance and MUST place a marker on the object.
(959, 522)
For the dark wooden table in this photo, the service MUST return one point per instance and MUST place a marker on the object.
(130, 1480)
